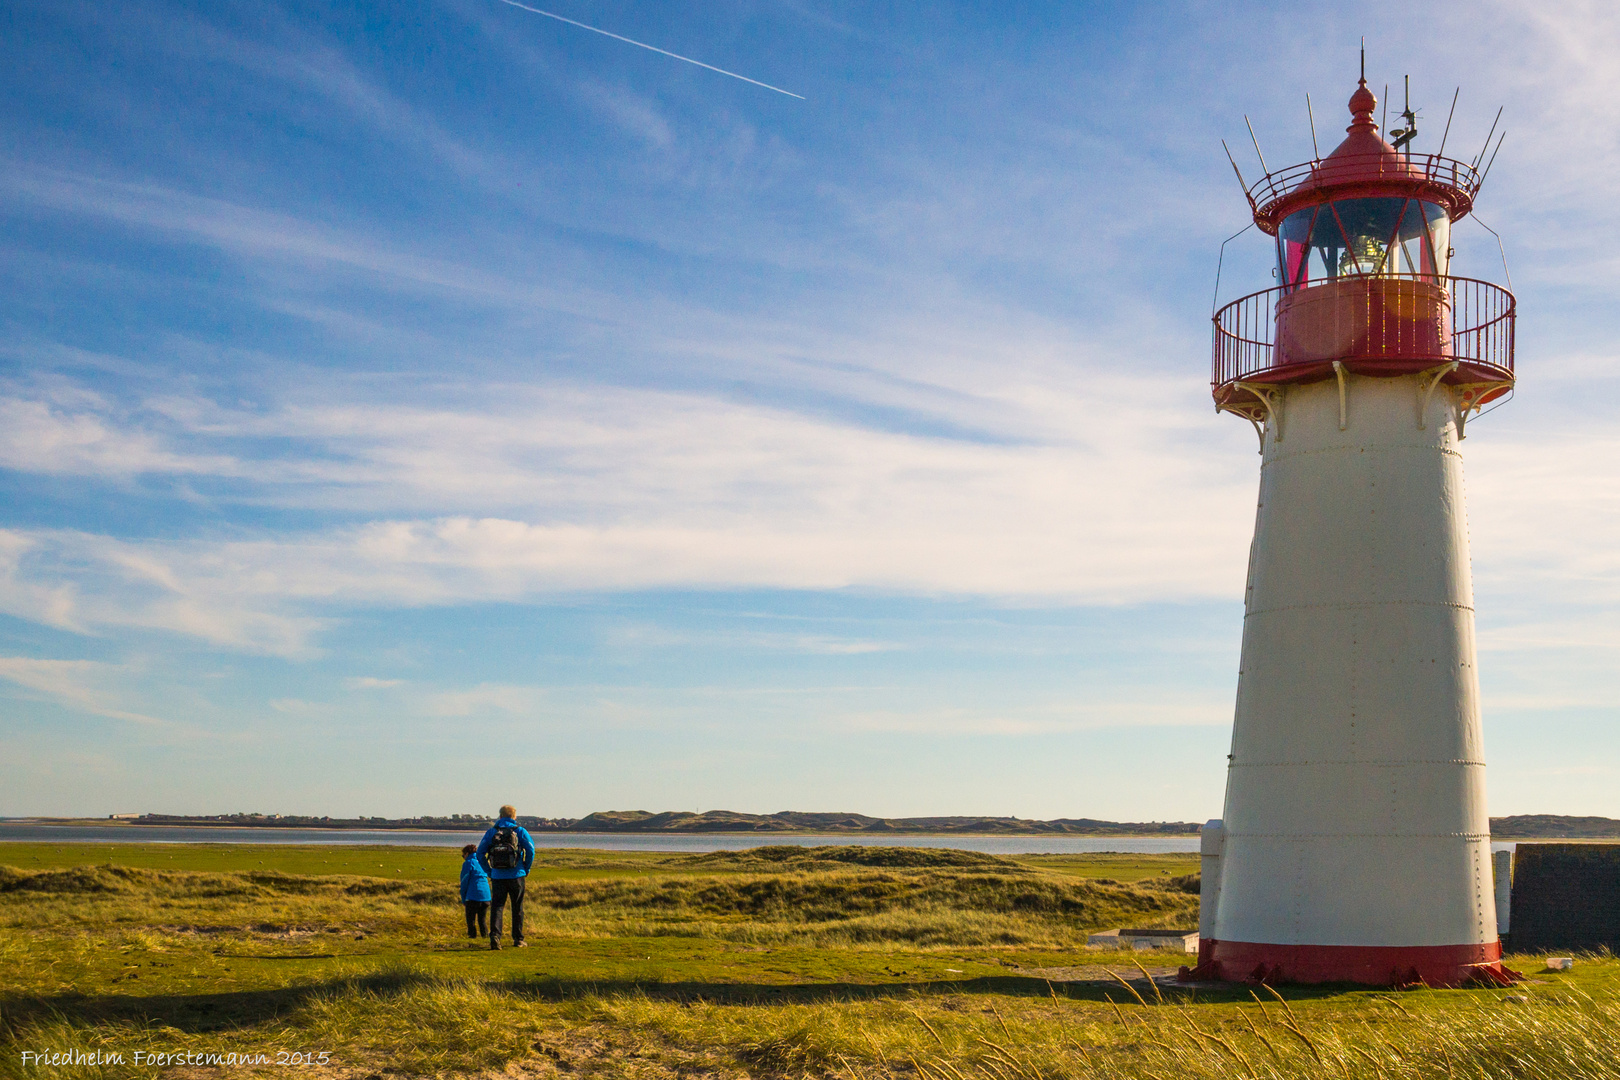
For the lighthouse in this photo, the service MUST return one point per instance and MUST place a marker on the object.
(1354, 844)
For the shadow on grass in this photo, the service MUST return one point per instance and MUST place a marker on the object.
(201, 1013)
(190, 1013)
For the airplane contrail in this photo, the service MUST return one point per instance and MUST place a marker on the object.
(654, 48)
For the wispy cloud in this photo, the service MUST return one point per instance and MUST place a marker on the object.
(81, 439)
(297, 71)
(94, 584)
(643, 635)
(629, 111)
(358, 329)
(368, 682)
(604, 488)
(245, 230)
(82, 685)
(487, 697)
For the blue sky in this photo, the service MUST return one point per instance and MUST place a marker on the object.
(410, 408)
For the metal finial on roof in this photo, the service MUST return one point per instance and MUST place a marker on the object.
(1362, 104)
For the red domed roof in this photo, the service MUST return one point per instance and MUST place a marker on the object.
(1363, 166)
(1364, 156)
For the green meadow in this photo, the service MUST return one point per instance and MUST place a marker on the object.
(779, 962)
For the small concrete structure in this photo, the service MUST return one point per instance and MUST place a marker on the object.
(1502, 871)
(1560, 963)
(1211, 840)
(1177, 940)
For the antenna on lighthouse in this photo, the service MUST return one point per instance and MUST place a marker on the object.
(1404, 137)
(1488, 134)
(1316, 151)
(1256, 142)
(1449, 115)
(1235, 168)
(1241, 184)
(1488, 164)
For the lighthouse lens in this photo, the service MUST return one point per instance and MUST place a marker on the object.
(1438, 236)
(1363, 237)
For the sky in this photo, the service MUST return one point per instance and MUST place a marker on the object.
(413, 407)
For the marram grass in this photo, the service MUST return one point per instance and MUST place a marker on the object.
(775, 965)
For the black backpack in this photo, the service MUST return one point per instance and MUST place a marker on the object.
(504, 853)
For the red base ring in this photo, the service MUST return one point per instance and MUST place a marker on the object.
(1371, 965)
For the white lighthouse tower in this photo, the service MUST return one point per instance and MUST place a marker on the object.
(1355, 844)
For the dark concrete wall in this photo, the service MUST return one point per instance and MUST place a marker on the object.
(1566, 896)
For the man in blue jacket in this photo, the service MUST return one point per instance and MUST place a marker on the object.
(507, 852)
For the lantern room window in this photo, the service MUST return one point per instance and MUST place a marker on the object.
(1383, 237)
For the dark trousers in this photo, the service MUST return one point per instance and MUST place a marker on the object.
(477, 917)
(501, 890)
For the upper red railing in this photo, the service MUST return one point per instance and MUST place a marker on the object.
(1290, 185)
(1386, 327)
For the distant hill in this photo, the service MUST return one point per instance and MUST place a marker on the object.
(1520, 827)
(729, 821)
(1553, 827)
(713, 821)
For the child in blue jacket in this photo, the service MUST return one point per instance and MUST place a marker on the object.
(474, 892)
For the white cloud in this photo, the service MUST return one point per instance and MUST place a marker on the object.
(82, 685)
(90, 583)
(643, 635)
(37, 437)
(829, 646)
(301, 707)
(526, 701)
(1542, 509)
(265, 237)
(989, 452)
(629, 111)
(1072, 494)
(645, 489)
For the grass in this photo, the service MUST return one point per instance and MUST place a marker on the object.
(444, 864)
(778, 962)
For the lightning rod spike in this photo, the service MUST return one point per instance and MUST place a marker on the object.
(1449, 115)
(1488, 164)
(1256, 142)
(1239, 172)
(1316, 151)
(1475, 163)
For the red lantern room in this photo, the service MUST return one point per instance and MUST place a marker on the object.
(1364, 256)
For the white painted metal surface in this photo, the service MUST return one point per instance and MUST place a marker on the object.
(1355, 804)
(1211, 839)
(1503, 861)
